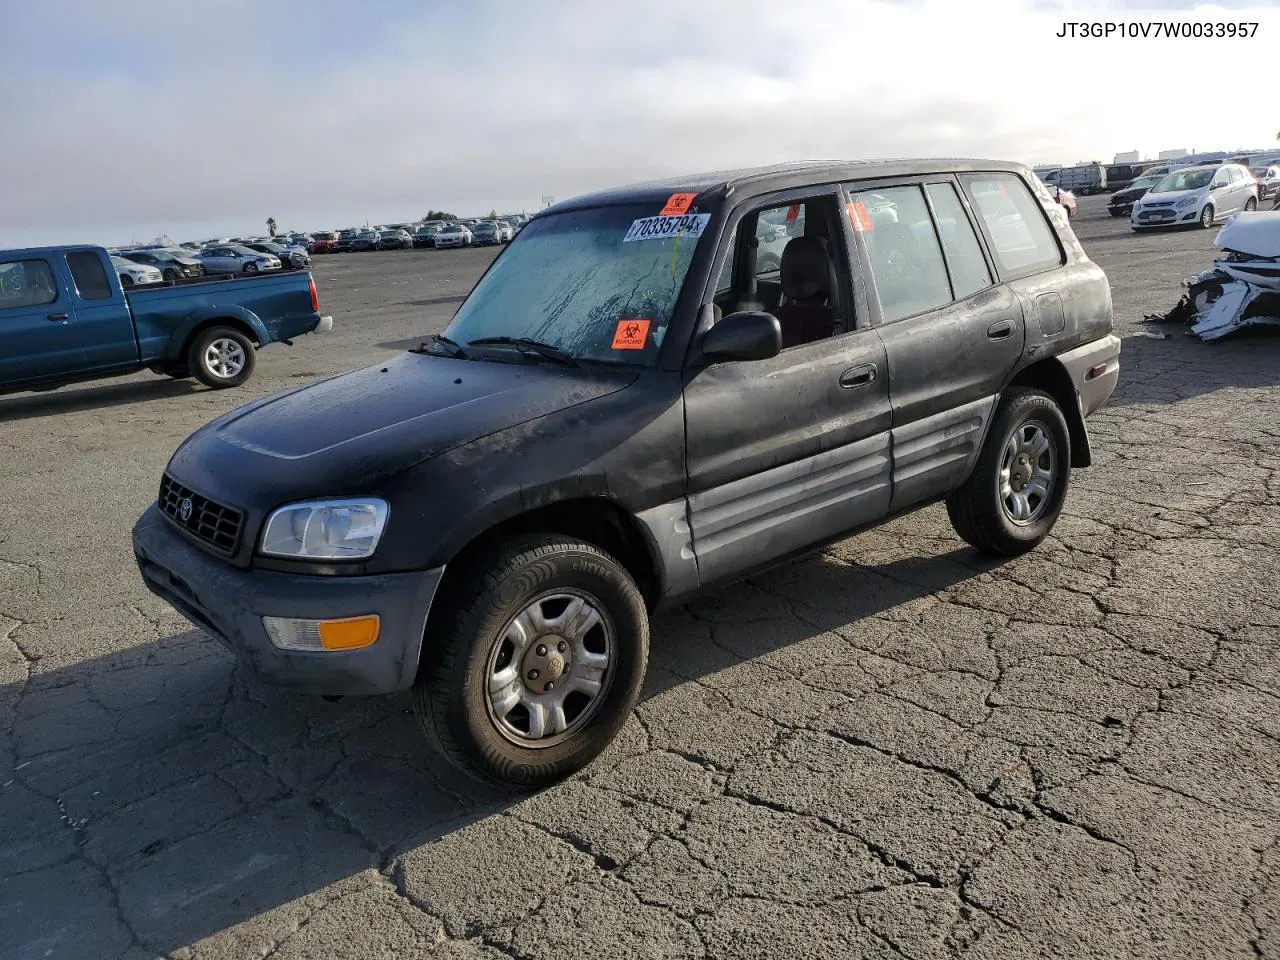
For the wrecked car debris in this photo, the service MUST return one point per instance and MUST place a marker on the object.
(1242, 289)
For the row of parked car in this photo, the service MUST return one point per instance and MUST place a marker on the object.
(169, 264)
(430, 234)
(1195, 195)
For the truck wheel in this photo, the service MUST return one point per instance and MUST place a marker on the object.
(536, 662)
(1014, 495)
(221, 357)
(1206, 217)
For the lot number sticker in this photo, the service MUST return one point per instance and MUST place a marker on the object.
(677, 204)
(631, 334)
(664, 228)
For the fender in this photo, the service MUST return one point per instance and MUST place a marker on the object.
(238, 317)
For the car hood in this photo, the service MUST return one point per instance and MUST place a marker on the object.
(350, 431)
(1130, 193)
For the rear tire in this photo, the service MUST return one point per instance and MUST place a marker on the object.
(1250, 205)
(221, 357)
(490, 631)
(1024, 467)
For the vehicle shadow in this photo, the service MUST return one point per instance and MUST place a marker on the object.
(71, 399)
(209, 800)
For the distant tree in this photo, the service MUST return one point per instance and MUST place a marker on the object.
(493, 214)
(439, 215)
(271, 226)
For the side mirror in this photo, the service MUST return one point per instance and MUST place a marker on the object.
(749, 335)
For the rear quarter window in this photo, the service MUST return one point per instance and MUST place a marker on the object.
(1015, 224)
(90, 275)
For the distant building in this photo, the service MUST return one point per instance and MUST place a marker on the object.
(1128, 156)
(1172, 154)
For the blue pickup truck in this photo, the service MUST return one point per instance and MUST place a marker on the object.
(64, 317)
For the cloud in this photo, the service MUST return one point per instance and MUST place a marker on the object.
(175, 119)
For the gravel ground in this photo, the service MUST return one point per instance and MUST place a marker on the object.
(891, 749)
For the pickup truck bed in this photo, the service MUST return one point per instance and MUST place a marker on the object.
(66, 318)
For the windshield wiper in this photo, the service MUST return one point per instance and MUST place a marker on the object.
(527, 346)
(451, 349)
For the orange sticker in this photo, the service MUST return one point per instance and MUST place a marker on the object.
(793, 213)
(859, 216)
(631, 335)
(677, 204)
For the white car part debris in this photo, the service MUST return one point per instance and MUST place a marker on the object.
(1152, 334)
(1226, 313)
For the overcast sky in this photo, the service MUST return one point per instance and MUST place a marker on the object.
(125, 119)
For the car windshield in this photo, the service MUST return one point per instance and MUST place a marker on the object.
(1186, 180)
(599, 284)
(246, 251)
(1148, 181)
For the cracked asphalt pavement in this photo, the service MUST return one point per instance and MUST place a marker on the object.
(890, 749)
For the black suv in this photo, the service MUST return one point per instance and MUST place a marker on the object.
(490, 519)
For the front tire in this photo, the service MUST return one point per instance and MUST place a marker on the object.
(172, 276)
(1206, 217)
(221, 357)
(1014, 495)
(250, 268)
(1250, 205)
(535, 663)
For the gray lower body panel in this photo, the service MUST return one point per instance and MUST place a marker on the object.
(1095, 390)
(750, 521)
(934, 456)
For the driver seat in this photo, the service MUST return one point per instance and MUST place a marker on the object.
(806, 314)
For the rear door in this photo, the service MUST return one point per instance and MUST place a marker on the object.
(104, 323)
(38, 337)
(793, 450)
(952, 332)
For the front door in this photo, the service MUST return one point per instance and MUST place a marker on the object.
(38, 338)
(790, 451)
(951, 332)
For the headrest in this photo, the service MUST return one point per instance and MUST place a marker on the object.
(806, 270)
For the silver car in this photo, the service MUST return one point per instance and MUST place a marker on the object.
(1196, 195)
(453, 235)
(232, 258)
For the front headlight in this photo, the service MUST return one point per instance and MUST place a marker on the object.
(1186, 202)
(325, 529)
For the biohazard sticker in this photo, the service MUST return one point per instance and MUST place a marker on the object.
(677, 204)
(859, 216)
(664, 228)
(631, 334)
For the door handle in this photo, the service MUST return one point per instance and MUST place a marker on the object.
(58, 316)
(998, 331)
(858, 376)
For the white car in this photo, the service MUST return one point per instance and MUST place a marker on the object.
(453, 235)
(131, 273)
(1196, 195)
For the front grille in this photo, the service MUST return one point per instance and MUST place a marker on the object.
(211, 522)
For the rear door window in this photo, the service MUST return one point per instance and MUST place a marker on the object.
(968, 266)
(1015, 224)
(906, 260)
(89, 274)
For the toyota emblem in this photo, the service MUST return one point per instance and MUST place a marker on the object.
(184, 509)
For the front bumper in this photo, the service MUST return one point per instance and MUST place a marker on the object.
(229, 603)
(1179, 216)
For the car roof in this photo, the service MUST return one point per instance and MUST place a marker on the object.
(780, 176)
